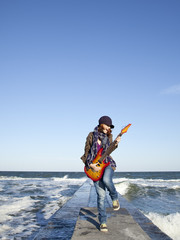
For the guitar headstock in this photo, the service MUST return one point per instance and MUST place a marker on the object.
(124, 130)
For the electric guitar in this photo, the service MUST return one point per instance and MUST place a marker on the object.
(99, 160)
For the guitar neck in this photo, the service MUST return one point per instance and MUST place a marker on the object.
(110, 149)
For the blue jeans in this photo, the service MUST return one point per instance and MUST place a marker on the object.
(100, 186)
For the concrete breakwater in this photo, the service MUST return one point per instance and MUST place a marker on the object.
(77, 220)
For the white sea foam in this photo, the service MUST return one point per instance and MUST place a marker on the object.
(176, 187)
(60, 178)
(27, 229)
(171, 184)
(70, 180)
(4, 178)
(7, 211)
(22, 197)
(53, 206)
(4, 227)
(11, 178)
(122, 187)
(170, 224)
(124, 183)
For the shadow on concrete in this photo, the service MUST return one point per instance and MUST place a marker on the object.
(89, 216)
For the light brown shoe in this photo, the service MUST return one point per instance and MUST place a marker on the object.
(103, 227)
(116, 205)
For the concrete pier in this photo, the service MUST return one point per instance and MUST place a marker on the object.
(121, 225)
(78, 220)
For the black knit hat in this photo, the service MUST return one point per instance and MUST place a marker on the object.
(106, 120)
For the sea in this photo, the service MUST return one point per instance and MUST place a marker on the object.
(29, 199)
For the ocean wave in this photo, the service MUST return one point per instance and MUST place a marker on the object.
(164, 180)
(130, 190)
(4, 228)
(11, 178)
(73, 180)
(123, 187)
(12, 208)
(57, 179)
(146, 179)
(4, 178)
(53, 206)
(170, 224)
(30, 203)
(176, 187)
(124, 183)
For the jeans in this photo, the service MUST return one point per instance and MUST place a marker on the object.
(100, 186)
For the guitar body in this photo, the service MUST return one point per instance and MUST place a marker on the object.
(96, 176)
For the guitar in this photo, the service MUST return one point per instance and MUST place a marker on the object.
(100, 159)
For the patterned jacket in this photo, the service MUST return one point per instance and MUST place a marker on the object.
(88, 145)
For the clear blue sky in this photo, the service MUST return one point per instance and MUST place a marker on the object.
(66, 63)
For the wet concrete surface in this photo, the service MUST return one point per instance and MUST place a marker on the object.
(121, 225)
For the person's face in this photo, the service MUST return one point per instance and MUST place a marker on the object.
(105, 128)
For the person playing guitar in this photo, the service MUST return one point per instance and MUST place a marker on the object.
(99, 141)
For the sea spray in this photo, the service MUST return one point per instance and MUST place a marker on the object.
(158, 199)
(122, 187)
(170, 224)
(28, 202)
